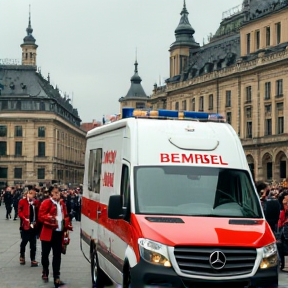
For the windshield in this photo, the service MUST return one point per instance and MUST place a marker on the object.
(195, 191)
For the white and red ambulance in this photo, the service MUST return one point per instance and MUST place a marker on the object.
(170, 202)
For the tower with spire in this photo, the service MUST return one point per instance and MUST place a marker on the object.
(136, 96)
(184, 44)
(28, 46)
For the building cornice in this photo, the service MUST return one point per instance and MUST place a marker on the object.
(240, 67)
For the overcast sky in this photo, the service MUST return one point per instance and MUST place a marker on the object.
(88, 46)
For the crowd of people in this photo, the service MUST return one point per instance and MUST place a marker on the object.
(274, 201)
(45, 214)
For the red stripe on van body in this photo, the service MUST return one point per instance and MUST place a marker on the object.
(128, 232)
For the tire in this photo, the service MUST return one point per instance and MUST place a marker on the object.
(98, 277)
(127, 278)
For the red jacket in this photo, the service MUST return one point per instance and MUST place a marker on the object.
(24, 212)
(47, 215)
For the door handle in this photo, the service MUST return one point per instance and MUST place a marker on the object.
(98, 213)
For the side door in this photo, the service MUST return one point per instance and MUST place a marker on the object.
(91, 201)
(122, 232)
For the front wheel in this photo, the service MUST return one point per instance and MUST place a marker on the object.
(99, 278)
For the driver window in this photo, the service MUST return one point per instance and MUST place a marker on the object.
(125, 190)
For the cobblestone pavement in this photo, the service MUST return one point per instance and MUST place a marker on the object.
(75, 270)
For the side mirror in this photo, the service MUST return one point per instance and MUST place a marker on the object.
(115, 210)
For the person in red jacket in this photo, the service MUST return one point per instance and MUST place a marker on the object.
(28, 211)
(53, 214)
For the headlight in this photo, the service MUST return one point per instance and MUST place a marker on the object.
(270, 256)
(154, 252)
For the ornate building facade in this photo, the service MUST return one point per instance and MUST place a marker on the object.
(40, 136)
(242, 74)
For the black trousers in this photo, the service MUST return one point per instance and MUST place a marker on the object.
(15, 211)
(8, 210)
(28, 236)
(56, 245)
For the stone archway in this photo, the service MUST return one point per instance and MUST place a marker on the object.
(251, 164)
(267, 166)
(281, 162)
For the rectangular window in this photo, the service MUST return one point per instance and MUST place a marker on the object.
(267, 90)
(249, 129)
(280, 125)
(268, 35)
(193, 108)
(201, 103)
(257, 39)
(248, 112)
(248, 43)
(18, 148)
(177, 106)
(41, 131)
(269, 170)
(279, 87)
(18, 131)
(282, 169)
(268, 110)
(211, 102)
(18, 173)
(3, 172)
(229, 117)
(184, 105)
(41, 149)
(3, 148)
(278, 33)
(3, 131)
(228, 98)
(41, 173)
(94, 170)
(268, 127)
(140, 105)
(248, 94)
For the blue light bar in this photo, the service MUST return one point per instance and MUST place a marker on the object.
(161, 113)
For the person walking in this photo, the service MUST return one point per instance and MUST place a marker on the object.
(16, 198)
(283, 220)
(53, 214)
(8, 200)
(27, 211)
(272, 210)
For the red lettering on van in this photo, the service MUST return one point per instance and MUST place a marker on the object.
(192, 158)
(109, 157)
(214, 158)
(187, 159)
(108, 180)
(221, 161)
(164, 158)
(206, 160)
(175, 158)
(198, 157)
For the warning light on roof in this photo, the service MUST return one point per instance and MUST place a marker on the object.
(138, 113)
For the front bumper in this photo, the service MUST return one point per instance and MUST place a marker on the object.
(145, 275)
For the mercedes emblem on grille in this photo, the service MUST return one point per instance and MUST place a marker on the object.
(217, 260)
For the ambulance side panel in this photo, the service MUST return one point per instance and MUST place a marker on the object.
(89, 225)
(110, 260)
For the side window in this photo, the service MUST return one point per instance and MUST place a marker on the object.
(125, 191)
(94, 171)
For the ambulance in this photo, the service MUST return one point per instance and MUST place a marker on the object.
(169, 201)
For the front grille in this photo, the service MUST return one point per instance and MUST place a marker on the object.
(195, 260)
